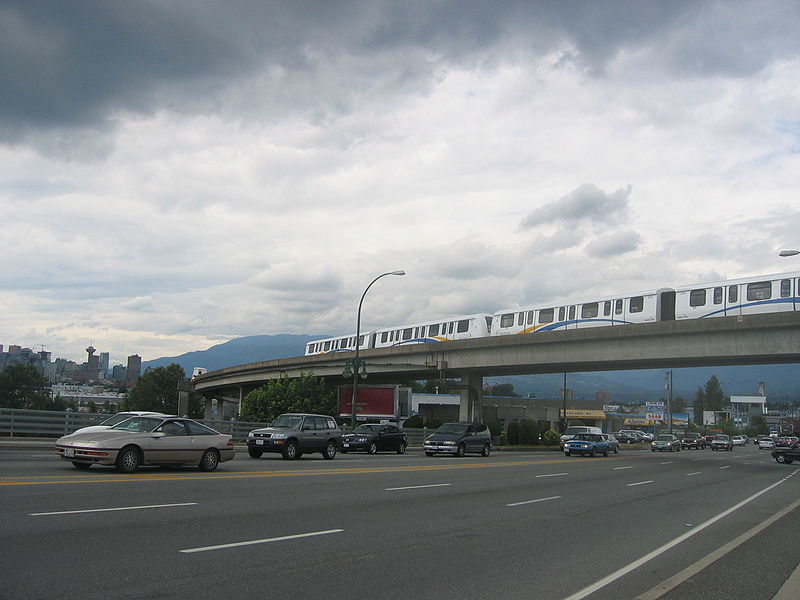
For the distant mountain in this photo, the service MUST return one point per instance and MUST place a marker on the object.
(239, 351)
(782, 381)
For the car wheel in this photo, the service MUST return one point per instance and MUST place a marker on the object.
(605, 452)
(566, 452)
(209, 461)
(330, 450)
(128, 460)
(487, 448)
(254, 452)
(401, 449)
(616, 449)
(781, 458)
(462, 450)
(81, 466)
(289, 451)
(372, 448)
(652, 449)
(592, 453)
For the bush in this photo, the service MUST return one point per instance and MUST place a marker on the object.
(433, 423)
(496, 429)
(413, 422)
(529, 432)
(551, 437)
(512, 434)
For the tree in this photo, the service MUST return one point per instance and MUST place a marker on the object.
(715, 399)
(307, 394)
(678, 405)
(500, 389)
(157, 390)
(699, 406)
(22, 386)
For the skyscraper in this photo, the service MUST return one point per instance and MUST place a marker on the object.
(134, 368)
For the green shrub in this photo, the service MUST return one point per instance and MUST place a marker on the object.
(433, 423)
(496, 429)
(512, 434)
(551, 437)
(413, 422)
(529, 432)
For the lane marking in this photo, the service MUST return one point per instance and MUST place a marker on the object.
(533, 501)
(96, 510)
(620, 468)
(601, 583)
(283, 538)
(669, 462)
(695, 473)
(417, 487)
(726, 467)
(640, 483)
(553, 475)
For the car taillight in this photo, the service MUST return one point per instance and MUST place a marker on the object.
(230, 443)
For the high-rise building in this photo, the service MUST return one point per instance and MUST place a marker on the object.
(134, 368)
(104, 358)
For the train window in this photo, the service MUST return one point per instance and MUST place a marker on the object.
(618, 307)
(530, 318)
(384, 336)
(546, 315)
(589, 311)
(488, 324)
(636, 304)
(327, 346)
(717, 295)
(759, 291)
(733, 294)
(562, 313)
(344, 343)
(520, 319)
(433, 330)
(407, 333)
(507, 320)
(786, 288)
(463, 326)
(361, 340)
(451, 329)
(571, 312)
(607, 308)
(697, 298)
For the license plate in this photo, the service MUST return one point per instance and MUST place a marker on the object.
(259, 442)
(69, 452)
(345, 445)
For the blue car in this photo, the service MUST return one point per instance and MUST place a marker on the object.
(588, 443)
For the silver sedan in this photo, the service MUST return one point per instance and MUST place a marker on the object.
(148, 440)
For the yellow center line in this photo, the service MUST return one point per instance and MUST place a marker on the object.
(144, 477)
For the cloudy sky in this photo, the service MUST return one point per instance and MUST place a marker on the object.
(174, 174)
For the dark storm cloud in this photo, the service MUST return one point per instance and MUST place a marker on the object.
(587, 203)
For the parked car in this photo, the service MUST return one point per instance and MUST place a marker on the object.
(119, 418)
(766, 443)
(575, 430)
(148, 440)
(722, 441)
(629, 436)
(786, 454)
(693, 440)
(738, 440)
(647, 437)
(458, 439)
(590, 444)
(785, 441)
(758, 438)
(666, 441)
(613, 443)
(294, 434)
(374, 438)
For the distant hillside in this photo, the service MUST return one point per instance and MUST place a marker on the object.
(239, 351)
(623, 386)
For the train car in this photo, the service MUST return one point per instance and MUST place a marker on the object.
(345, 343)
(732, 297)
(458, 328)
(643, 307)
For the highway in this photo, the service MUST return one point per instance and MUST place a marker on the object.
(515, 525)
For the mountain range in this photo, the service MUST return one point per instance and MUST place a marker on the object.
(781, 381)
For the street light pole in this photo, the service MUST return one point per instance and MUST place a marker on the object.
(358, 367)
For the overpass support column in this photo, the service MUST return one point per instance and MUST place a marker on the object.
(207, 409)
(471, 398)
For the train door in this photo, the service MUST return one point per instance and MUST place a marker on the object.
(666, 308)
(733, 305)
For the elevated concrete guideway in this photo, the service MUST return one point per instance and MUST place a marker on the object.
(751, 339)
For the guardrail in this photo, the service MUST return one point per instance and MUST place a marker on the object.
(17, 422)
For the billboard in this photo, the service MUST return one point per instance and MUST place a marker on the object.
(376, 401)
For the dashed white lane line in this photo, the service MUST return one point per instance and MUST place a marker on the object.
(695, 473)
(640, 483)
(553, 475)
(620, 468)
(533, 501)
(283, 538)
(417, 487)
(96, 510)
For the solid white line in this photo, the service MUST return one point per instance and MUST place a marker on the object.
(669, 462)
(417, 487)
(534, 501)
(658, 551)
(620, 468)
(726, 467)
(553, 475)
(695, 473)
(94, 510)
(265, 541)
(640, 483)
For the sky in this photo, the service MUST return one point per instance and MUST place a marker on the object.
(175, 174)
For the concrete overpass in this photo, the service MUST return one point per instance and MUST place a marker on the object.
(751, 339)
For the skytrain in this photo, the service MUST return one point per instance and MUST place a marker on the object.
(732, 297)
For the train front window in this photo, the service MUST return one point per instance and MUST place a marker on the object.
(759, 291)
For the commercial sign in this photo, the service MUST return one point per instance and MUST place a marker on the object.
(373, 401)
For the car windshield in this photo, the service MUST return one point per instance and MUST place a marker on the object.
(664, 438)
(367, 429)
(140, 424)
(575, 430)
(288, 421)
(721, 437)
(452, 428)
(589, 437)
(692, 436)
(117, 418)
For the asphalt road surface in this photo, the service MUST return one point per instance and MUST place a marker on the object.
(692, 524)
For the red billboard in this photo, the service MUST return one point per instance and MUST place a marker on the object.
(373, 401)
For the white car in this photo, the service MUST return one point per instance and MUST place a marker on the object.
(118, 418)
(738, 440)
(766, 443)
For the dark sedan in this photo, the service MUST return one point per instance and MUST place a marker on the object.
(373, 438)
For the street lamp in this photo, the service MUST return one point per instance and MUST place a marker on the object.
(788, 252)
(356, 366)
